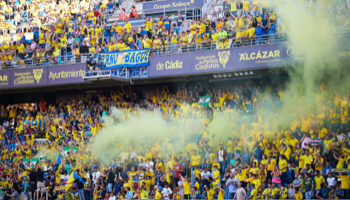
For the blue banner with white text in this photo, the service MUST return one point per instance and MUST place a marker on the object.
(131, 58)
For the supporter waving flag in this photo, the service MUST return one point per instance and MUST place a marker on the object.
(204, 100)
(59, 162)
(72, 178)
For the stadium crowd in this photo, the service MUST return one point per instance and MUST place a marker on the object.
(310, 159)
(81, 29)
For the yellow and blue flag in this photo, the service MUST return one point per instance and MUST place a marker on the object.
(72, 178)
(59, 162)
(129, 58)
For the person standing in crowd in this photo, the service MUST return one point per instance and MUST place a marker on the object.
(241, 193)
(179, 21)
(232, 184)
(167, 192)
(84, 50)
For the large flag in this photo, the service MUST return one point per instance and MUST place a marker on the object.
(73, 176)
(59, 162)
(204, 100)
(130, 58)
(59, 166)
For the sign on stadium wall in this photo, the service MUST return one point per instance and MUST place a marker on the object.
(42, 76)
(66, 74)
(218, 61)
(131, 58)
(5, 79)
(174, 5)
(30, 77)
(262, 56)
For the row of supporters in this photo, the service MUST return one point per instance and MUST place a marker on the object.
(165, 34)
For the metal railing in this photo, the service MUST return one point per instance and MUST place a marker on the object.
(120, 73)
(169, 49)
(31, 60)
(67, 58)
(217, 45)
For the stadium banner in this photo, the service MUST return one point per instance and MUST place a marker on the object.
(263, 56)
(42, 76)
(130, 58)
(242, 58)
(174, 5)
(66, 74)
(192, 63)
(28, 77)
(5, 79)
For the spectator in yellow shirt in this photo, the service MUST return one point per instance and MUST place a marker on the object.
(146, 42)
(198, 39)
(193, 28)
(127, 26)
(283, 164)
(117, 28)
(157, 43)
(173, 42)
(187, 187)
(318, 180)
(297, 194)
(246, 5)
(21, 50)
(196, 159)
(233, 4)
(183, 41)
(241, 35)
(202, 27)
(219, 24)
(216, 175)
(148, 24)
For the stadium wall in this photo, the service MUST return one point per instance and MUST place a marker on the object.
(161, 67)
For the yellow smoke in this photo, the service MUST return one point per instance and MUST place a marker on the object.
(313, 37)
(50, 153)
(142, 131)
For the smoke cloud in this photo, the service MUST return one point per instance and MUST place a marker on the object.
(314, 39)
(143, 132)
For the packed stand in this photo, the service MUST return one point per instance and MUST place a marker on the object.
(77, 34)
(308, 160)
(24, 15)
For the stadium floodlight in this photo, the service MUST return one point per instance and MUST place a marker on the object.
(236, 74)
(251, 73)
(241, 73)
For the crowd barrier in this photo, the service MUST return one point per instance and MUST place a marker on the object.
(120, 73)
(189, 60)
(69, 58)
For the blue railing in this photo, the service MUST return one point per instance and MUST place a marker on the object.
(120, 73)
